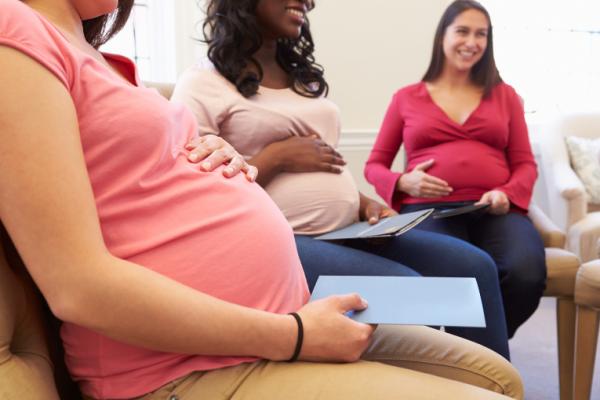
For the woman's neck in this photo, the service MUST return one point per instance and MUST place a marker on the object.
(274, 76)
(62, 14)
(453, 78)
(267, 54)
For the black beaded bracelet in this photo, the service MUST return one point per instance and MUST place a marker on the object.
(300, 337)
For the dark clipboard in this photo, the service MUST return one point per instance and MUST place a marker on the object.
(386, 227)
(461, 210)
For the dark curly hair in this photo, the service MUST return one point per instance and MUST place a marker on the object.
(233, 35)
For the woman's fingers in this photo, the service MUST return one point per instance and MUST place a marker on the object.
(500, 202)
(436, 181)
(327, 149)
(205, 146)
(218, 157)
(327, 167)
(251, 172)
(211, 151)
(351, 302)
(235, 165)
(434, 189)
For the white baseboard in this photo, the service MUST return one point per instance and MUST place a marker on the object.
(357, 140)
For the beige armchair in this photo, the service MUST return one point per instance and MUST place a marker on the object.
(560, 283)
(587, 299)
(567, 199)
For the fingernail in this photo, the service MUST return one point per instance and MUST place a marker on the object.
(229, 171)
(251, 176)
(365, 303)
(206, 165)
(193, 157)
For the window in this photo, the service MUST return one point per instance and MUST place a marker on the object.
(549, 51)
(148, 39)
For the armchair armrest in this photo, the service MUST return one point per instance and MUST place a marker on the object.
(567, 182)
(567, 197)
(551, 235)
(164, 89)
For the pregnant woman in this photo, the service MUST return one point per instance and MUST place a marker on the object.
(466, 142)
(174, 283)
(260, 90)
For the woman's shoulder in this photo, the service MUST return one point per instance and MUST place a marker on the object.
(414, 91)
(31, 33)
(14, 8)
(503, 90)
(204, 71)
(20, 22)
(202, 79)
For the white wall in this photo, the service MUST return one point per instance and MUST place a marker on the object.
(370, 49)
(188, 26)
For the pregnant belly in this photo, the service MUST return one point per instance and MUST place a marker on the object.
(315, 203)
(467, 166)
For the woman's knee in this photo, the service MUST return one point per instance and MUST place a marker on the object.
(476, 263)
(526, 272)
(448, 356)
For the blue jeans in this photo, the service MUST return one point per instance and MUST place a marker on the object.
(412, 254)
(513, 243)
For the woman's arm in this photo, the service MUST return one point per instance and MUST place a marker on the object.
(371, 210)
(296, 154)
(523, 169)
(48, 208)
(211, 104)
(377, 169)
(389, 185)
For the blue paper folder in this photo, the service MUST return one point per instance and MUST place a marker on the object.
(409, 300)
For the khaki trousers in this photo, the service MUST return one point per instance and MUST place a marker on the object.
(404, 362)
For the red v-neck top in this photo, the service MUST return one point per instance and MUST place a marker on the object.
(490, 151)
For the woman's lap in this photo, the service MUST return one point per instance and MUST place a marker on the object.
(514, 245)
(428, 254)
(416, 356)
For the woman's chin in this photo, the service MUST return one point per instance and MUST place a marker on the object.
(93, 9)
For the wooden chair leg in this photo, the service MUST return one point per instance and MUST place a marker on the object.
(565, 321)
(585, 352)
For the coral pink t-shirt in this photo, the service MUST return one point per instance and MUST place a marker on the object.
(224, 237)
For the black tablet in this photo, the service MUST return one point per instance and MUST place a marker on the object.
(461, 210)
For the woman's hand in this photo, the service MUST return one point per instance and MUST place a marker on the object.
(420, 184)
(371, 210)
(500, 203)
(308, 154)
(214, 151)
(330, 336)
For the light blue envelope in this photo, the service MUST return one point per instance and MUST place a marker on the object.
(398, 300)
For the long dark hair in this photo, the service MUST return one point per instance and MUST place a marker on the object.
(95, 29)
(232, 33)
(483, 74)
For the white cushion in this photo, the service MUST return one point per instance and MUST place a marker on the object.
(584, 155)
